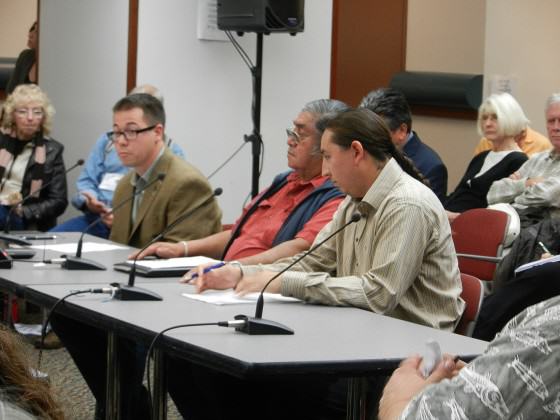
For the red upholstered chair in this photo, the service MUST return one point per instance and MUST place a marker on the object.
(479, 235)
(473, 294)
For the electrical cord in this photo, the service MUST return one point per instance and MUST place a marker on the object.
(227, 160)
(58, 302)
(233, 324)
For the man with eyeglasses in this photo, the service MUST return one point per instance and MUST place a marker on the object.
(285, 218)
(138, 137)
(97, 181)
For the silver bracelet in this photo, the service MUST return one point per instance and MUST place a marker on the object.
(185, 248)
(238, 265)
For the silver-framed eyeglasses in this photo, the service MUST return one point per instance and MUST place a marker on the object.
(291, 133)
(129, 134)
(24, 112)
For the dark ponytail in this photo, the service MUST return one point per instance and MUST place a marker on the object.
(371, 130)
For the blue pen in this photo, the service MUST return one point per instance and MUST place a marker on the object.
(208, 269)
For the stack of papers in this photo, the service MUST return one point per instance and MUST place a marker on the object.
(228, 297)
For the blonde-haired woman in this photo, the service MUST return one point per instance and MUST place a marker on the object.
(29, 159)
(502, 121)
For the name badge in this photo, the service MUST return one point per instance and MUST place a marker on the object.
(110, 181)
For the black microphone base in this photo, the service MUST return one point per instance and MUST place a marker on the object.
(78, 263)
(259, 326)
(126, 292)
(12, 239)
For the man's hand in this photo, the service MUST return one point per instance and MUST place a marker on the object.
(255, 283)
(225, 277)
(94, 205)
(162, 250)
(230, 277)
(107, 218)
(407, 381)
(451, 215)
(515, 176)
(533, 181)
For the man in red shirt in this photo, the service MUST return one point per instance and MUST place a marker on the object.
(283, 219)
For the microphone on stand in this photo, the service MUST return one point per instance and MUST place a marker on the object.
(5, 236)
(76, 262)
(130, 291)
(257, 325)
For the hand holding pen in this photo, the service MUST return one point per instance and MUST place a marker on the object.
(547, 253)
(208, 269)
(200, 271)
(217, 276)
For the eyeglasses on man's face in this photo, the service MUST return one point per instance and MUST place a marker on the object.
(297, 137)
(129, 133)
(25, 112)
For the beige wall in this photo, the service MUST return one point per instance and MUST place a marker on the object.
(447, 36)
(522, 43)
(16, 17)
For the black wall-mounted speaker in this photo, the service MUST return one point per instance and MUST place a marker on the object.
(444, 90)
(264, 16)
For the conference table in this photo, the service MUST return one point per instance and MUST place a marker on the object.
(338, 341)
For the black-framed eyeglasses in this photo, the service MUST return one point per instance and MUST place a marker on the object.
(129, 134)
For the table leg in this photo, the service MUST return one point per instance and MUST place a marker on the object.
(112, 403)
(356, 399)
(159, 396)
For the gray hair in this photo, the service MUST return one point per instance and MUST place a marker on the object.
(551, 100)
(323, 110)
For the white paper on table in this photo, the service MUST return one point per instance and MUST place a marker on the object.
(228, 297)
(86, 247)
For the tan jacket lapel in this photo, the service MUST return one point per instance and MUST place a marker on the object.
(150, 196)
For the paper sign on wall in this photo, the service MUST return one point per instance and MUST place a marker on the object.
(207, 22)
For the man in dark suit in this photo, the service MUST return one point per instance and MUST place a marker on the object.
(391, 104)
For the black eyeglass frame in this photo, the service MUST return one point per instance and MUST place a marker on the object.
(113, 136)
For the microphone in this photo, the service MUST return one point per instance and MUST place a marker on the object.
(257, 325)
(77, 262)
(14, 239)
(131, 292)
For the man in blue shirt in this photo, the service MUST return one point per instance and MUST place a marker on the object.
(99, 178)
(391, 104)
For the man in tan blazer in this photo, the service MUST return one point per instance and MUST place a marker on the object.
(138, 128)
(138, 137)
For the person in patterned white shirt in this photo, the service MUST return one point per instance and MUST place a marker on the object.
(516, 377)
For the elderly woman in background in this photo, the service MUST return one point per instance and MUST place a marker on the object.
(28, 160)
(502, 121)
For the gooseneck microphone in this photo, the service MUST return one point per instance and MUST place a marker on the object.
(77, 262)
(14, 239)
(131, 292)
(257, 325)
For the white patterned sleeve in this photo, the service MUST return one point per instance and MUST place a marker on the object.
(516, 378)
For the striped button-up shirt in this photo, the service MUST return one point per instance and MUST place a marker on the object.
(543, 194)
(398, 260)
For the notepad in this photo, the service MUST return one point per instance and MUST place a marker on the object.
(228, 297)
(172, 267)
(537, 263)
